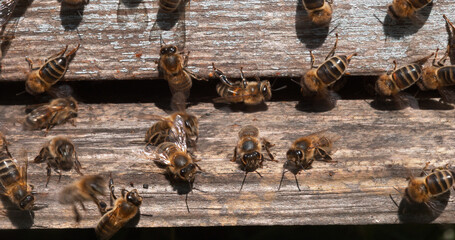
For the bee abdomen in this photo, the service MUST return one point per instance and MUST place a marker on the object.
(169, 5)
(446, 75)
(180, 85)
(53, 70)
(313, 4)
(249, 130)
(332, 69)
(9, 173)
(105, 228)
(406, 76)
(231, 93)
(439, 182)
(419, 3)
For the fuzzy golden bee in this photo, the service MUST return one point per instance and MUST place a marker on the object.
(317, 80)
(307, 149)
(87, 188)
(41, 79)
(60, 155)
(319, 11)
(125, 208)
(247, 92)
(159, 131)
(406, 8)
(249, 148)
(13, 180)
(58, 111)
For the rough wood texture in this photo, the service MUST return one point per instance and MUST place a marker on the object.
(268, 38)
(377, 150)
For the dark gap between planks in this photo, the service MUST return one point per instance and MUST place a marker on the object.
(146, 91)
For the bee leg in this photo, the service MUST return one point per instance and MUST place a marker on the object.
(332, 52)
(186, 58)
(267, 145)
(48, 174)
(297, 182)
(82, 205)
(282, 177)
(444, 58)
(235, 155)
(30, 63)
(242, 76)
(186, 203)
(424, 169)
(70, 54)
(77, 164)
(243, 182)
(73, 122)
(258, 173)
(395, 67)
(112, 188)
(58, 54)
(77, 216)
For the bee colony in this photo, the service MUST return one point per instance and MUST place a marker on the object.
(183, 159)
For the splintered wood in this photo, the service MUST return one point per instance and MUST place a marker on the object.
(376, 152)
(120, 39)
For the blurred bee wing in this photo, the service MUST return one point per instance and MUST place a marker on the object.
(178, 102)
(177, 134)
(403, 100)
(447, 94)
(159, 158)
(221, 100)
(60, 91)
(6, 10)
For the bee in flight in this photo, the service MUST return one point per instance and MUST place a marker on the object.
(125, 208)
(173, 155)
(87, 188)
(247, 92)
(13, 179)
(249, 149)
(59, 154)
(46, 116)
(307, 149)
(316, 82)
(406, 8)
(41, 79)
(319, 11)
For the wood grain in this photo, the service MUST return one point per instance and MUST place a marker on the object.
(268, 38)
(376, 152)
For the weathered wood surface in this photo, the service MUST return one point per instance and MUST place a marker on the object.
(267, 37)
(377, 150)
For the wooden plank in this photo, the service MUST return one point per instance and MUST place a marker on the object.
(268, 38)
(377, 150)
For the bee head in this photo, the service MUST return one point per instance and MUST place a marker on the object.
(266, 89)
(134, 197)
(168, 50)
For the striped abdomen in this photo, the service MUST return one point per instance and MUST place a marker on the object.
(9, 174)
(406, 76)
(419, 3)
(106, 227)
(313, 4)
(439, 182)
(332, 69)
(446, 76)
(157, 133)
(232, 94)
(169, 5)
(168, 148)
(53, 70)
(179, 83)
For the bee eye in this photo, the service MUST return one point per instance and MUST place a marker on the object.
(264, 89)
(299, 153)
(187, 124)
(163, 51)
(172, 50)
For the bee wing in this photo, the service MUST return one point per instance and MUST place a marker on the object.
(159, 157)
(178, 102)
(177, 134)
(447, 94)
(60, 91)
(6, 9)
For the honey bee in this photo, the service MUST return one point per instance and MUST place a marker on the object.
(439, 77)
(6, 10)
(60, 155)
(425, 188)
(46, 116)
(392, 83)
(406, 8)
(307, 149)
(173, 67)
(85, 189)
(40, 79)
(319, 11)
(13, 180)
(168, 6)
(159, 132)
(316, 80)
(4, 145)
(125, 208)
(249, 149)
(248, 92)
(179, 163)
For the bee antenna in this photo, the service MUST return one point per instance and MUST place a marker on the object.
(186, 202)
(243, 182)
(294, 81)
(334, 28)
(20, 93)
(280, 88)
(393, 200)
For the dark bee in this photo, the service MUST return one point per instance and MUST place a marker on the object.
(60, 155)
(319, 78)
(248, 92)
(179, 163)
(85, 189)
(307, 149)
(319, 11)
(40, 79)
(13, 180)
(439, 77)
(58, 111)
(249, 149)
(6, 10)
(406, 8)
(125, 208)
(159, 131)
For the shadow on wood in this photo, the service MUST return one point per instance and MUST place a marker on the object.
(409, 212)
(318, 103)
(240, 107)
(20, 219)
(71, 16)
(309, 34)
